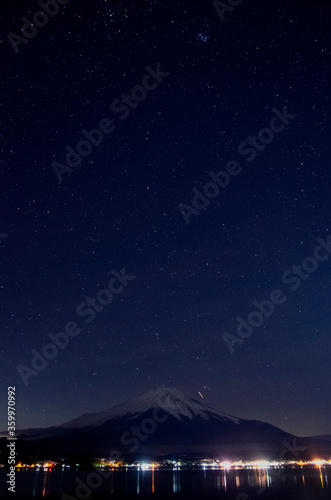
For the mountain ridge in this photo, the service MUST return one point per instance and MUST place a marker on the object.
(168, 399)
(157, 397)
(164, 421)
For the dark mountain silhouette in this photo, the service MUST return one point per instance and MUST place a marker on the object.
(164, 422)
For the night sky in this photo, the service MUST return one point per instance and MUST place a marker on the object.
(211, 86)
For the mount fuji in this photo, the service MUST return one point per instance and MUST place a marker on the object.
(164, 422)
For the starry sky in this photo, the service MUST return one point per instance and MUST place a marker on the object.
(221, 79)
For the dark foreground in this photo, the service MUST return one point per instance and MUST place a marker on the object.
(310, 483)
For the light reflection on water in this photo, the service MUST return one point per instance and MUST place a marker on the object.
(41, 484)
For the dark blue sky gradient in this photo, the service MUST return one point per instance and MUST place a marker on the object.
(119, 208)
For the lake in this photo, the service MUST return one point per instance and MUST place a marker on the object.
(306, 483)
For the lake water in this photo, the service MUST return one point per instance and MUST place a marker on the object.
(307, 483)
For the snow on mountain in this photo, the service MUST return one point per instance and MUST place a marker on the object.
(170, 400)
(192, 429)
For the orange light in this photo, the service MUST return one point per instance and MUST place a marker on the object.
(319, 463)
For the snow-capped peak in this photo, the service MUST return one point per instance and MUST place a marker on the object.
(170, 400)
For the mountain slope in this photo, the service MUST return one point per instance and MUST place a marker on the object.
(326, 437)
(171, 401)
(163, 422)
